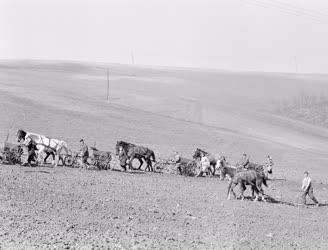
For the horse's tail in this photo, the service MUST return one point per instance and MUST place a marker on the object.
(264, 181)
(153, 156)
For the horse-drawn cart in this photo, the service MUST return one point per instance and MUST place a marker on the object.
(97, 158)
(11, 153)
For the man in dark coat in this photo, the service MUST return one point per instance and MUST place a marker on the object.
(123, 158)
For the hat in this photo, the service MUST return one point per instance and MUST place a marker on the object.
(306, 172)
(82, 140)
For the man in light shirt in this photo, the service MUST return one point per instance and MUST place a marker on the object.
(204, 165)
(84, 152)
(307, 189)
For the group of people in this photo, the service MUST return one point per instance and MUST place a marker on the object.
(83, 153)
(307, 187)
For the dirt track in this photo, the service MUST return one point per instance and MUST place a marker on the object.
(70, 208)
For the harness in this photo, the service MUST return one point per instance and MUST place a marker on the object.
(42, 143)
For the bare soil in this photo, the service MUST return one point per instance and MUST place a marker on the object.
(73, 209)
(164, 109)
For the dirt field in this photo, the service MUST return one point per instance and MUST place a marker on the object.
(69, 208)
(165, 109)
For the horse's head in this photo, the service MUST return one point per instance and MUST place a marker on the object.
(199, 153)
(196, 154)
(269, 168)
(21, 135)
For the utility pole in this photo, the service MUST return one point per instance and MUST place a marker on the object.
(132, 57)
(296, 66)
(107, 85)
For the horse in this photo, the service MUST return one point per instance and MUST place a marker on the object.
(139, 152)
(226, 169)
(44, 144)
(126, 147)
(212, 158)
(266, 168)
(147, 153)
(247, 177)
(229, 170)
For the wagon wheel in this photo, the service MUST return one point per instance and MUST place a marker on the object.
(68, 161)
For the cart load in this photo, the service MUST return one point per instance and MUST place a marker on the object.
(188, 167)
(11, 153)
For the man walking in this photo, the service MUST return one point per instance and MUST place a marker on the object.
(84, 152)
(204, 165)
(123, 158)
(307, 189)
(31, 155)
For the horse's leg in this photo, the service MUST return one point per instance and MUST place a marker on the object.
(45, 158)
(256, 192)
(141, 163)
(150, 166)
(57, 156)
(214, 166)
(253, 191)
(260, 189)
(261, 193)
(40, 152)
(66, 152)
(242, 190)
(233, 192)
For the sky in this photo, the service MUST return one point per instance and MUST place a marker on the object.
(250, 35)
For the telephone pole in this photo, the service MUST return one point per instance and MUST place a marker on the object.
(296, 66)
(107, 85)
(132, 57)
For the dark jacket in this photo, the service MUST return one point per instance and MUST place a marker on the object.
(84, 151)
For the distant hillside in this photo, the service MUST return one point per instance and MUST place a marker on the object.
(306, 107)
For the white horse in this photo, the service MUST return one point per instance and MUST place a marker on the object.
(43, 143)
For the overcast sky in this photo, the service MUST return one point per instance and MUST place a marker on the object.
(257, 35)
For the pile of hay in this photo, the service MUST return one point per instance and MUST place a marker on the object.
(165, 166)
(188, 167)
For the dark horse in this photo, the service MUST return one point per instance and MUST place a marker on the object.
(212, 158)
(247, 177)
(231, 171)
(261, 168)
(139, 152)
(227, 169)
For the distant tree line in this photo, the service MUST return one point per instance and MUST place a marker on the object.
(308, 107)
